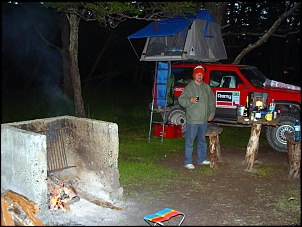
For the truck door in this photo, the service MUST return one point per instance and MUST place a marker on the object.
(228, 89)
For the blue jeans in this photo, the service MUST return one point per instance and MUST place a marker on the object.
(193, 131)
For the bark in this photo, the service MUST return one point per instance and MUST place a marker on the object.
(217, 11)
(213, 133)
(253, 146)
(74, 21)
(28, 206)
(6, 217)
(294, 156)
(68, 90)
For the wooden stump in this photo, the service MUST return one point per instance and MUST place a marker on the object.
(252, 147)
(218, 151)
(294, 156)
(215, 153)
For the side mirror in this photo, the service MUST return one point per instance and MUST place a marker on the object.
(241, 86)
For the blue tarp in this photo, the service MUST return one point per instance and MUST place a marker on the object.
(170, 27)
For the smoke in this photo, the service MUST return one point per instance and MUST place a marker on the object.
(31, 38)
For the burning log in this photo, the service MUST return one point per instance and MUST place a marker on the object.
(60, 194)
(18, 210)
(97, 201)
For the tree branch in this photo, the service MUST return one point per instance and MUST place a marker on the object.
(266, 35)
(260, 34)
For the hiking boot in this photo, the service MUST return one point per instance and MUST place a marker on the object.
(190, 166)
(205, 162)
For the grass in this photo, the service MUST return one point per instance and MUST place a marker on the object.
(138, 160)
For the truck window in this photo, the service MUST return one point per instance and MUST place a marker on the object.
(182, 76)
(224, 79)
(254, 76)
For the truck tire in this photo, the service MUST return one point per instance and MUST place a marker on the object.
(177, 115)
(275, 135)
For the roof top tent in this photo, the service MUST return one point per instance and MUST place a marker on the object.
(193, 37)
(196, 37)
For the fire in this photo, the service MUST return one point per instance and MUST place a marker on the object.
(59, 196)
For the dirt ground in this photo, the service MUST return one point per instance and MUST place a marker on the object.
(226, 196)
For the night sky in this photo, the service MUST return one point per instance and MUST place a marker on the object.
(27, 57)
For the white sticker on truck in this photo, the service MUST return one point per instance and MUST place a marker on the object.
(227, 99)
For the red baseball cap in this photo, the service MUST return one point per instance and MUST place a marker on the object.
(198, 69)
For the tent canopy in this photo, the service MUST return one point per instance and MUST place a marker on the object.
(162, 28)
(196, 37)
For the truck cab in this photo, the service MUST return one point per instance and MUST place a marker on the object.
(232, 86)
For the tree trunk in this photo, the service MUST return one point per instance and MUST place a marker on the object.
(74, 21)
(217, 11)
(68, 90)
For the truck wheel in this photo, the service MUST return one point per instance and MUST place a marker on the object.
(177, 116)
(275, 135)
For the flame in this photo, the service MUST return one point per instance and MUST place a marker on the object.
(60, 196)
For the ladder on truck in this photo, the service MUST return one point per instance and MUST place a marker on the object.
(159, 95)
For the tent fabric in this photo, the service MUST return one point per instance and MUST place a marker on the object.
(172, 26)
(196, 37)
(205, 15)
(204, 42)
(161, 28)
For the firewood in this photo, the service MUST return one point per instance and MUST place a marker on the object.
(66, 207)
(19, 216)
(97, 201)
(29, 207)
(6, 217)
(60, 193)
(34, 208)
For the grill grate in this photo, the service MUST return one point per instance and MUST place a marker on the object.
(56, 155)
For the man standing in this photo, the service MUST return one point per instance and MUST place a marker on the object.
(199, 101)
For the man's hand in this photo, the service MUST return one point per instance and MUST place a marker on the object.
(194, 100)
(210, 119)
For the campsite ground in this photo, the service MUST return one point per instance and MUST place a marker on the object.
(226, 196)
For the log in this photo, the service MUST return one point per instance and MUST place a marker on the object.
(19, 216)
(294, 156)
(218, 150)
(213, 151)
(252, 147)
(97, 201)
(29, 207)
(6, 217)
(213, 130)
(213, 133)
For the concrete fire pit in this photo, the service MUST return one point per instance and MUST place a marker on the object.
(80, 151)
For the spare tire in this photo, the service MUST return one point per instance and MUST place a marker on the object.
(275, 135)
(177, 116)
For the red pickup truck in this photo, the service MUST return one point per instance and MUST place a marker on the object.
(231, 85)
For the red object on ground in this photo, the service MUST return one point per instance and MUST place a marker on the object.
(170, 131)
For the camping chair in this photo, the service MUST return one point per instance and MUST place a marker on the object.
(162, 216)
